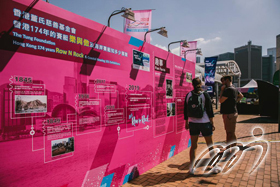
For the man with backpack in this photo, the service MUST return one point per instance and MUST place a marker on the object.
(198, 113)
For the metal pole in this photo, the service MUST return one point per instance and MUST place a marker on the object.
(152, 30)
(239, 77)
(217, 97)
(113, 14)
(279, 100)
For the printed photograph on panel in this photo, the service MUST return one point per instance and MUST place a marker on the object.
(25, 104)
(141, 60)
(170, 109)
(169, 88)
(62, 146)
(188, 77)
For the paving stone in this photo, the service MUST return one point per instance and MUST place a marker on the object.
(267, 174)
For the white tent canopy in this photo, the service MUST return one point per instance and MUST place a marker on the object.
(251, 84)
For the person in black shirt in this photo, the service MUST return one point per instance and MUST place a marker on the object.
(228, 98)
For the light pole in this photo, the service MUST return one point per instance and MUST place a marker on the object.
(279, 101)
(198, 52)
(128, 14)
(185, 43)
(161, 31)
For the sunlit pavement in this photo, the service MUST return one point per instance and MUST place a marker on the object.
(174, 171)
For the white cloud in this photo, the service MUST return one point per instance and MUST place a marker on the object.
(201, 41)
(162, 47)
(209, 47)
(176, 51)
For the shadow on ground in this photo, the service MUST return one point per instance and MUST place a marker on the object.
(257, 135)
(260, 120)
(158, 178)
(185, 166)
(164, 178)
(169, 177)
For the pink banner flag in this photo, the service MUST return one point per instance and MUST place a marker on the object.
(190, 55)
(139, 27)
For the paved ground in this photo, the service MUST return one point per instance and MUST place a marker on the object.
(174, 171)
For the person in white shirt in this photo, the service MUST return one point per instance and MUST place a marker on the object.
(198, 114)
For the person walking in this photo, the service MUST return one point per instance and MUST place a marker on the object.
(198, 115)
(229, 96)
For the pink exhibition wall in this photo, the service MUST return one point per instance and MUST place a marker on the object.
(80, 103)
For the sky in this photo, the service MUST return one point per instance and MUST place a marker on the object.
(219, 26)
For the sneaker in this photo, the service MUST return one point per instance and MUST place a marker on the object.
(191, 171)
(216, 169)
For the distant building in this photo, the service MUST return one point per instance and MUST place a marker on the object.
(268, 68)
(197, 59)
(272, 51)
(249, 60)
(226, 56)
(277, 52)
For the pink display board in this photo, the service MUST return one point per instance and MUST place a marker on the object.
(81, 105)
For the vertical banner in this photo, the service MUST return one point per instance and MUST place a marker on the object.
(190, 55)
(210, 69)
(139, 27)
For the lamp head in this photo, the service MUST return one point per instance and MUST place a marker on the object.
(128, 14)
(163, 32)
(198, 52)
(185, 43)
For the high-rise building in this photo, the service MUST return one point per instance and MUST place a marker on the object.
(226, 56)
(277, 51)
(197, 59)
(249, 60)
(272, 51)
(267, 68)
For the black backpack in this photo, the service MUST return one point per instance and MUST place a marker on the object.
(195, 106)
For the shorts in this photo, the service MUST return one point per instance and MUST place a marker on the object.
(204, 128)
(230, 122)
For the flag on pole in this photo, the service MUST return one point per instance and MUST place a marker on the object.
(209, 75)
(139, 27)
(190, 55)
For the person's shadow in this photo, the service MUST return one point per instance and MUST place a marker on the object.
(172, 177)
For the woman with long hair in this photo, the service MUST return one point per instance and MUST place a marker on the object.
(198, 113)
